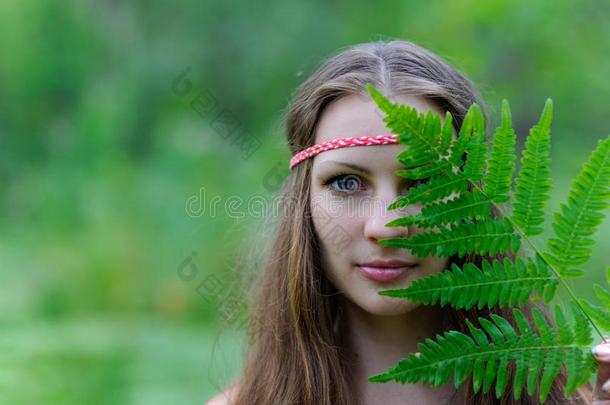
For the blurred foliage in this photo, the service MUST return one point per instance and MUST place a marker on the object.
(102, 147)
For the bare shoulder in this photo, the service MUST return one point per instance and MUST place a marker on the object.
(226, 397)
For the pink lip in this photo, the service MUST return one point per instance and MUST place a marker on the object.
(387, 263)
(385, 270)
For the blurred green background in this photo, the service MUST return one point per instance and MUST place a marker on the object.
(116, 279)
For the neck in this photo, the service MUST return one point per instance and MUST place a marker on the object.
(375, 343)
(378, 342)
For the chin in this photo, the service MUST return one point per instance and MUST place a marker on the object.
(388, 306)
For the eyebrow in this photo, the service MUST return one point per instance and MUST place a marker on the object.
(350, 165)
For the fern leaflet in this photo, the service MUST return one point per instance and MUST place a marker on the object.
(497, 283)
(534, 181)
(582, 215)
(487, 353)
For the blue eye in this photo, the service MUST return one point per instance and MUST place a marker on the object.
(345, 183)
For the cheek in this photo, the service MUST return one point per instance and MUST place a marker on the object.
(335, 227)
(434, 264)
(334, 230)
(337, 233)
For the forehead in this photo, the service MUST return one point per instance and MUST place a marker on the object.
(358, 115)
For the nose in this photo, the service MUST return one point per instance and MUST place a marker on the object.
(379, 215)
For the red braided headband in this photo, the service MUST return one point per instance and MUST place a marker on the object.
(342, 143)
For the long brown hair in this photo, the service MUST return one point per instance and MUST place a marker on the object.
(294, 354)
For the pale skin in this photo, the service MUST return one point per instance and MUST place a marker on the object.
(380, 330)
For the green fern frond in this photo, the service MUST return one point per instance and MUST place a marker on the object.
(476, 148)
(486, 237)
(461, 144)
(424, 172)
(497, 182)
(465, 206)
(498, 283)
(601, 314)
(432, 190)
(460, 191)
(534, 180)
(489, 352)
(579, 219)
(408, 158)
(422, 132)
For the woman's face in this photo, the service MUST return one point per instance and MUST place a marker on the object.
(350, 191)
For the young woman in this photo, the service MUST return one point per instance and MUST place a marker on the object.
(318, 326)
